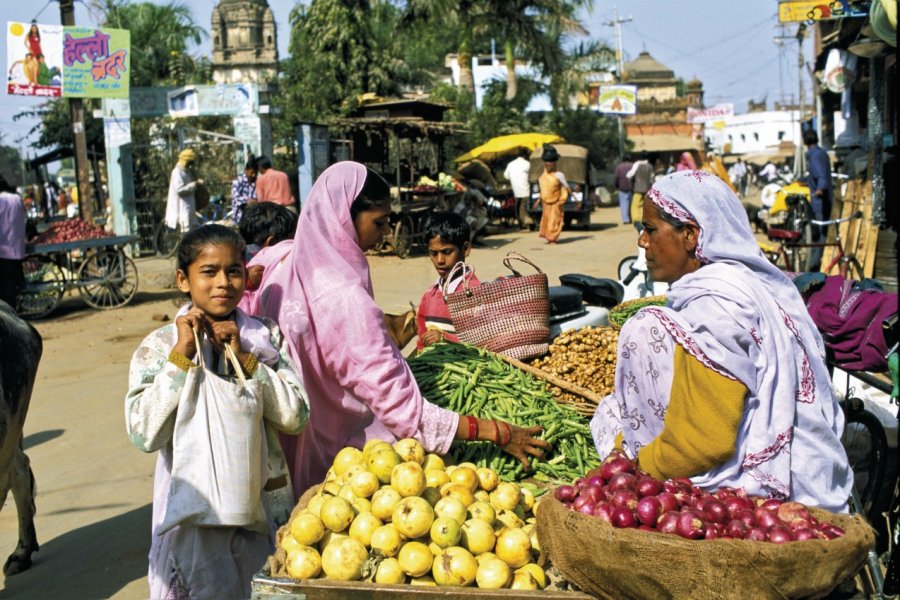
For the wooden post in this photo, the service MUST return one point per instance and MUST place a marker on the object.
(79, 137)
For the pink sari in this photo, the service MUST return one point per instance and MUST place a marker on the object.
(359, 384)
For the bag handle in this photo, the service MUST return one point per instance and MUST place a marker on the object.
(507, 262)
(229, 355)
(467, 273)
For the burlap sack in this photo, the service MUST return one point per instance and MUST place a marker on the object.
(276, 561)
(628, 563)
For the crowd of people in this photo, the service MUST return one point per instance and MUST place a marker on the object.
(292, 300)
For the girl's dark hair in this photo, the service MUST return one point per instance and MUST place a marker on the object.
(375, 193)
(449, 226)
(262, 220)
(208, 235)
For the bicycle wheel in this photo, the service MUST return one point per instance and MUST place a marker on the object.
(45, 284)
(108, 279)
(866, 446)
(165, 240)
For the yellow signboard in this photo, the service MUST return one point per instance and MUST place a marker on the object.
(801, 11)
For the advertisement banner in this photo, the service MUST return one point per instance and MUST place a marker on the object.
(617, 99)
(74, 62)
(96, 62)
(718, 112)
(34, 59)
(809, 11)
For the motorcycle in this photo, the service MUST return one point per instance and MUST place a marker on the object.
(582, 301)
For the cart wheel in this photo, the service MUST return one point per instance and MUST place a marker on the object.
(165, 239)
(108, 279)
(45, 283)
(403, 232)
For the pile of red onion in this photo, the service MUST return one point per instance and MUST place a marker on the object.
(619, 494)
(69, 231)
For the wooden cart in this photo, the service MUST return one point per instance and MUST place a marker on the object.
(410, 212)
(98, 268)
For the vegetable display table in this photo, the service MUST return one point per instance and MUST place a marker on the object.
(98, 268)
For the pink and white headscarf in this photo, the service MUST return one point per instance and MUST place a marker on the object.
(359, 385)
(742, 317)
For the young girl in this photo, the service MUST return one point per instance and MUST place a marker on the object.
(209, 562)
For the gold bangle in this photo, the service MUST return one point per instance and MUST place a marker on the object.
(180, 360)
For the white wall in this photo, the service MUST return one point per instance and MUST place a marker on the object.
(486, 69)
(755, 132)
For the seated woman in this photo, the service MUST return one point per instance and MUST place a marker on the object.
(727, 384)
(360, 387)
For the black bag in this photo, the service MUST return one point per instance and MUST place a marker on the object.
(596, 291)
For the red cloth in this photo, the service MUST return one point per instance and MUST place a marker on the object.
(433, 310)
(273, 186)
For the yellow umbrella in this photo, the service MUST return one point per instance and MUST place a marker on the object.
(508, 144)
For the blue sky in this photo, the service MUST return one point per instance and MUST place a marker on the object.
(728, 44)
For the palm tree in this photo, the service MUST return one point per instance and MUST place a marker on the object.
(462, 14)
(160, 35)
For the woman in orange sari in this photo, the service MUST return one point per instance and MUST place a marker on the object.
(554, 192)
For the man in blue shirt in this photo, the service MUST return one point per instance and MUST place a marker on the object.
(820, 189)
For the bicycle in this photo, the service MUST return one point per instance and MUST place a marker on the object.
(166, 239)
(793, 251)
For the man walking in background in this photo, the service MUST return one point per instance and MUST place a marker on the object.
(517, 174)
(623, 184)
(12, 243)
(243, 191)
(273, 185)
(820, 189)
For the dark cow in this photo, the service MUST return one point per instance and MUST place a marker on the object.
(20, 353)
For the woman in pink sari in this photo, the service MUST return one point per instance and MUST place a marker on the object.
(686, 163)
(359, 384)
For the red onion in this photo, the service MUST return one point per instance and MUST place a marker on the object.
(711, 533)
(736, 503)
(805, 534)
(623, 518)
(668, 523)
(690, 525)
(715, 511)
(737, 529)
(603, 511)
(757, 534)
(566, 493)
(648, 510)
(723, 493)
(622, 481)
(772, 504)
(647, 486)
(586, 509)
(831, 531)
(766, 519)
(583, 501)
(596, 480)
(646, 528)
(580, 483)
(625, 498)
(595, 493)
(668, 501)
(615, 464)
(779, 534)
(789, 511)
(595, 472)
(683, 483)
(796, 524)
(748, 516)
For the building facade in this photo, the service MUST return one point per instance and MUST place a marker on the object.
(245, 43)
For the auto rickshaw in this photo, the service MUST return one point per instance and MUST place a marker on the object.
(573, 162)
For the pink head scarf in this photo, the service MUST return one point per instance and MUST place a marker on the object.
(686, 163)
(359, 385)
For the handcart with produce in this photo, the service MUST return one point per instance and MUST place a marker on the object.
(74, 255)
(411, 209)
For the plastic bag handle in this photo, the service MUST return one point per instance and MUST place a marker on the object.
(229, 355)
(467, 273)
(507, 262)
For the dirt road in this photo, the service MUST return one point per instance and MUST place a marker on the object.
(94, 488)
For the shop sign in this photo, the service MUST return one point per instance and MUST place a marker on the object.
(810, 11)
(617, 99)
(719, 112)
(70, 62)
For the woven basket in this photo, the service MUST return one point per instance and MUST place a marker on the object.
(620, 313)
(508, 316)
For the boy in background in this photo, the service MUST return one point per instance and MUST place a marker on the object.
(447, 234)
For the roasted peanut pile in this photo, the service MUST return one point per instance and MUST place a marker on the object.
(585, 357)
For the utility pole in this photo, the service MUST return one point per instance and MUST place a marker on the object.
(616, 24)
(79, 136)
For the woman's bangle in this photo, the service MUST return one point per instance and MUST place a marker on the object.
(508, 435)
(496, 432)
(473, 429)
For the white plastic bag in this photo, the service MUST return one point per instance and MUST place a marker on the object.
(219, 452)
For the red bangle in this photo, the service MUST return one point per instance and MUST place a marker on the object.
(508, 434)
(473, 429)
(496, 432)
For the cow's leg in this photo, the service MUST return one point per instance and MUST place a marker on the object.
(23, 489)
